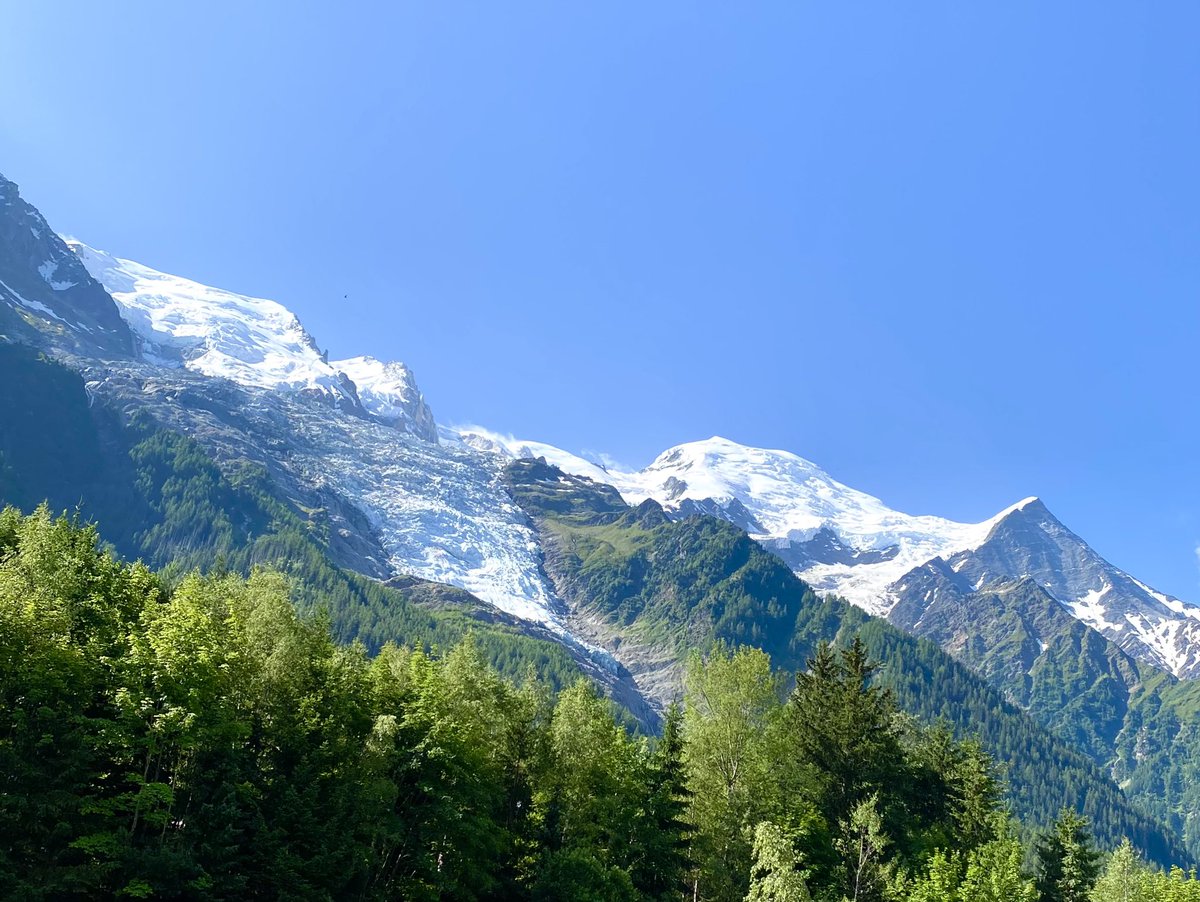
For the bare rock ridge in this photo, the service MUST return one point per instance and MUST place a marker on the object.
(46, 295)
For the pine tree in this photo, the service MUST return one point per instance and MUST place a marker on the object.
(1067, 860)
(662, 834)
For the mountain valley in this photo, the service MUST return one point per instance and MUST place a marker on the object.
(168, 403)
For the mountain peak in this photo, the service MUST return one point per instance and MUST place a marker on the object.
(1031, 506)
(388, 391)
(252, 341)
(47, 298)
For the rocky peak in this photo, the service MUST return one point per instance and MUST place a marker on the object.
(47, 297)
(388, 391)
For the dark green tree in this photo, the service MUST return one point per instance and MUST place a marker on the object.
(844, 728)
(1067, 861)
(662, 834)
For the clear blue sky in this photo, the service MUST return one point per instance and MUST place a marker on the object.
(949, 251)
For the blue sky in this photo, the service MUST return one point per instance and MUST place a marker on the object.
(948, 251)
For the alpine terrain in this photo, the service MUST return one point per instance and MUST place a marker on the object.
(201, 428)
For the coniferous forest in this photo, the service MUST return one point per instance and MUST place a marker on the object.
(197, 738)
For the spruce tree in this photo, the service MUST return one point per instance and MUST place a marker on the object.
(843, 727)
(1068, 862)
(662, 834)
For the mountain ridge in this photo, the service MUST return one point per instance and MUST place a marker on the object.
(844, 541)
(360, 460)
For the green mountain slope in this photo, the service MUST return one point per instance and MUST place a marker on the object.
(159, 497)
(1138, 723)
(640, 581)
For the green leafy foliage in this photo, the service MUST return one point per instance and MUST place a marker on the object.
(690, 583)
(199, 738)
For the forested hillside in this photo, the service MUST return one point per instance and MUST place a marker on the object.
(161, 499)
(201, 740)
(651, 581)
(1136, 722)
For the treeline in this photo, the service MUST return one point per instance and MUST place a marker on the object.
(676, 585)
(204, 741)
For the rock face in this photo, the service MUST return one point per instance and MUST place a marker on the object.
(388, 391)
(1031, 543)
(47, 297)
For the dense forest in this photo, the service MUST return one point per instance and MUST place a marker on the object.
(199, 738)
(684, 584)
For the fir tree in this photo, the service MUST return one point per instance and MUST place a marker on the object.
(662, 834)
(1067, 860)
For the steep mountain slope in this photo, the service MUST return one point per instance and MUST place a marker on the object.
(242, 378)
(1140, 724)
(396, 504)
(254, 342)
(1031, 542)
(651, 589)
(46, 295)
(844, 541)
(158, 496)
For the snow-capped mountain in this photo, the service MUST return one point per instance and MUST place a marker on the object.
(255, 342)
(250, 341)
(837, 538)
(847, 542)
(389, 392)
(1030, 542)
(243, 375)
(441, 511)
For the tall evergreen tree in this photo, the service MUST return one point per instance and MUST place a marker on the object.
(843, 727)
(662, 835)
(1068, 862)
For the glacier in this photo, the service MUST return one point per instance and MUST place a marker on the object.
(433, 501)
